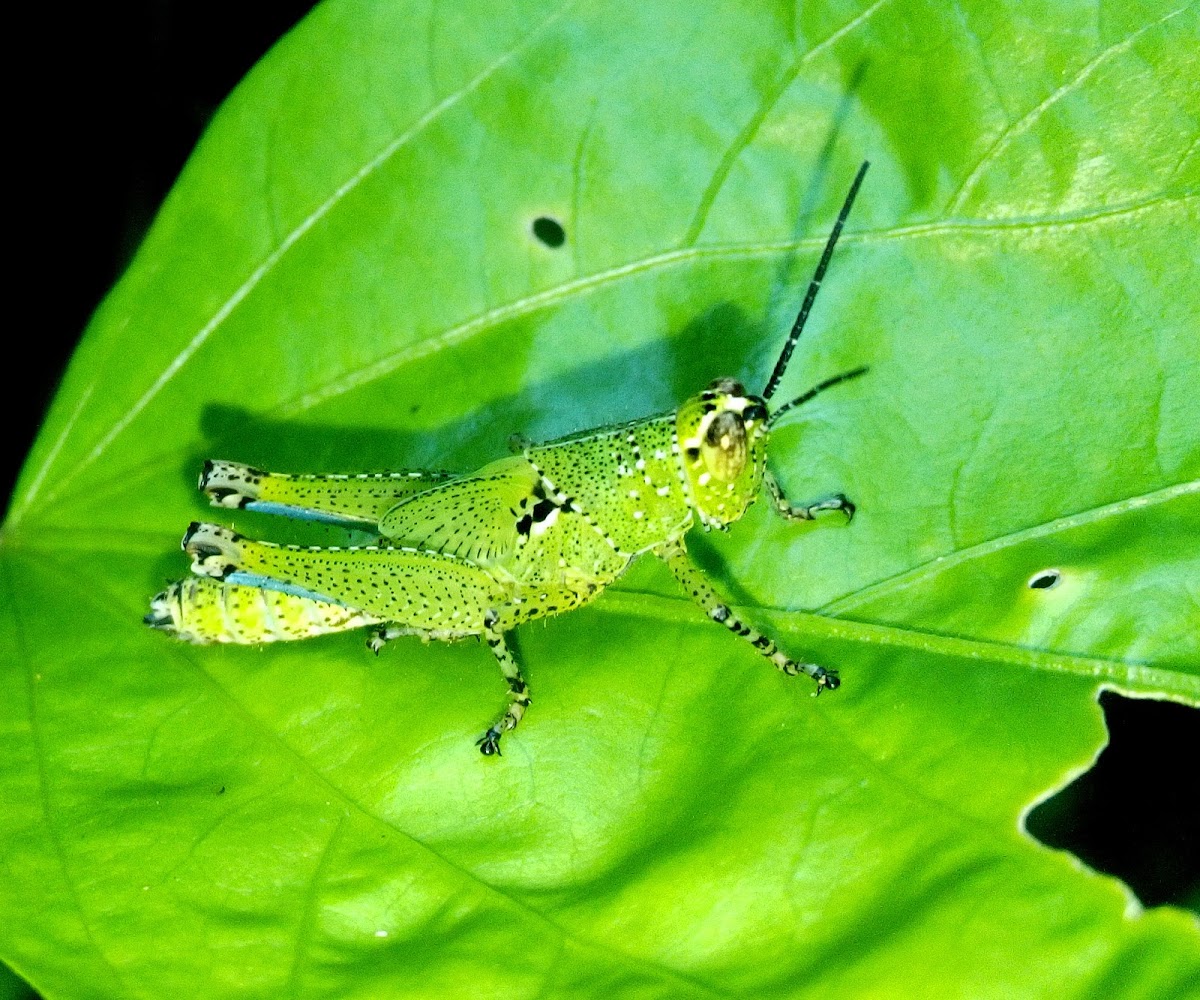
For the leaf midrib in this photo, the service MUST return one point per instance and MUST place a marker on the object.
(825, 622)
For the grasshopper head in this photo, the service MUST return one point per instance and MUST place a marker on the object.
(723, 447)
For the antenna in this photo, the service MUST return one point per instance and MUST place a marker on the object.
(814, 286)
(816, 390)
(783, 283)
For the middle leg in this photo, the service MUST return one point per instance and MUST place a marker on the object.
(518, 690)
(695, 583)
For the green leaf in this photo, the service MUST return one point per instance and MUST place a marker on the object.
(345, 277)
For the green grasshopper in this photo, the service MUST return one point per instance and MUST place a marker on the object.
(535, 534)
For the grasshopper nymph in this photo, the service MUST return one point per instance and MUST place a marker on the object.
(527, 536)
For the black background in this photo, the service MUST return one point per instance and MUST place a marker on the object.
(120, 97)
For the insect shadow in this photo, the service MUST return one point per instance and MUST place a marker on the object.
(627, 385)
(723, 340)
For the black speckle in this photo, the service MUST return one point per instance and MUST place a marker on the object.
(542, 509)
(549, 231)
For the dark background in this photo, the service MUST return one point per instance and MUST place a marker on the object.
(122, 95)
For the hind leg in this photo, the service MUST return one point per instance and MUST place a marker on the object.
(356, 499)
(518, 690)
(410, 591)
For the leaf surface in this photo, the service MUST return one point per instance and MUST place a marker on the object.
(346, 278)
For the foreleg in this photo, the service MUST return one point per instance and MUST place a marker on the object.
(806, 511)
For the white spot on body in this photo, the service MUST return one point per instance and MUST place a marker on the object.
(703, 478)
(638, 515)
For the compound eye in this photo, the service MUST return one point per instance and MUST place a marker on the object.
(754, 413)
(724, 447)
(729, 386)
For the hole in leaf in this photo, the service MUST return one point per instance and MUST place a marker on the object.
(1135, 814)
(549, 231)
(1045, 579)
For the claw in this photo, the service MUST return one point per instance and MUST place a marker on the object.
(489, 743)
(827, 679)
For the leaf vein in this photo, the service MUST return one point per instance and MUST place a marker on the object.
(918, 573)
(755, 122)
(39, 755)
(1031, 117)
(385, 365)
(316, 215)
(180, 652)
